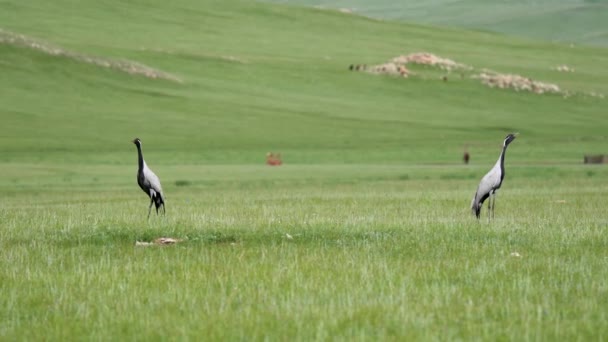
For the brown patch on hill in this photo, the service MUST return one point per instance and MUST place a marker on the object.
(426, 58)
(516, 82)
(389, 69)
(399, 66)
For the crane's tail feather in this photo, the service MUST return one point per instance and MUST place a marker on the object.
(476, 210)
(477, 203)
(158, 202)
(475, 207)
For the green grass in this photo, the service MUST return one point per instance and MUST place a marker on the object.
(376, 258)
(372, 191)
(569, 21)
(291, 92)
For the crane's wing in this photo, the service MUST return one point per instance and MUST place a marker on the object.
(153, 180)
(489, 182)
(492, 178)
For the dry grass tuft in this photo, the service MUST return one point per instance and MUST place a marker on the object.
(162, 241)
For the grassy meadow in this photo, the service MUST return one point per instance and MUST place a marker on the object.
(567, 21)
(365, 233)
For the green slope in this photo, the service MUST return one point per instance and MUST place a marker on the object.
(381, 249)
(571, 21)
(258, 77)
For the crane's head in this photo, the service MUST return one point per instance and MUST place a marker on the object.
(137, 142)
(509, 139)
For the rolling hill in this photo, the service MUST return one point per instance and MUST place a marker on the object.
(255, 77)
(364, 233)
(568, 21)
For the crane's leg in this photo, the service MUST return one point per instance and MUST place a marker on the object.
(493, 205)
(150, 207)
(163, 208)
(489, 205)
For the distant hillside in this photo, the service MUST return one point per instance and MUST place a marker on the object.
(227, 81)
(570, 21)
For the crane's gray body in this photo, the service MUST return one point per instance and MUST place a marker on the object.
(148, 181)
(491, 182)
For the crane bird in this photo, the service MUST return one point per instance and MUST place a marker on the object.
(148, 181)
(491, 182)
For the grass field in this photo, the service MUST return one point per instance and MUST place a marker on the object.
(364, 233)
(567, 21)
(383, 258)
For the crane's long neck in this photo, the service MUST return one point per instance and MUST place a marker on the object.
(501, 161)
(140, 158)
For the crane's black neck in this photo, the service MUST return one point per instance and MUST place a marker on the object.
(502, 162)
(140, 157)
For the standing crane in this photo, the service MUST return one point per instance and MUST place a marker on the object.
(491, 182)
(148, 181)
